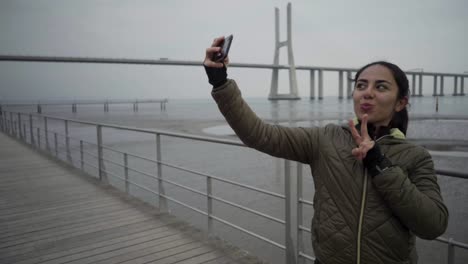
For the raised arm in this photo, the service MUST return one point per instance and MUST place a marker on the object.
(298, 144)
(290, 143)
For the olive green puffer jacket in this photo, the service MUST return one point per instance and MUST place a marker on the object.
(358, 219)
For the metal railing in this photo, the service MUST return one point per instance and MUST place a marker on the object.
(19, 124)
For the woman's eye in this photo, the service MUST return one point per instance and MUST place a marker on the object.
(361, 86)
(381, 87)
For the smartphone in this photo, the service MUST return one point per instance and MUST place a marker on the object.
(225, 46)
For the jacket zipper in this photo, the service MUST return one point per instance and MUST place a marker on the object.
(361, 217)
(361, 213)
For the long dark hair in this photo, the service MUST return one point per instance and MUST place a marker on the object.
(400, 119)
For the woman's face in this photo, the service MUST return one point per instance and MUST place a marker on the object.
(376, 94)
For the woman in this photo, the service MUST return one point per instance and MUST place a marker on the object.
(374, 191)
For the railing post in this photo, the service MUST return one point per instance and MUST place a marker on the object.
(320, 84)
(2, 116)
(299, 242)
(12, 124)
(4, 125)
(420, 84)
(38, 138)
(19, 126)
(349, 91)
(127, 189)
(9, 127)
(455, 86)
(462, 85)
(209, 206)
(451, 252)
(162, 200)
(312, 84)
(56, 144)
(31, 132)
(46, 134)
(67, 142)
(435, 86)
(81, 155)
(413, 84)
(7, 123)
(441, 85)
(340, 86)
(99, 146)
(1, 119)
(289, 231)
(25, 138)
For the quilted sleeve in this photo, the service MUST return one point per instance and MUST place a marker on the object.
(297, 144)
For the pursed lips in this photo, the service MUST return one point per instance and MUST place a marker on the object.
(366, 107)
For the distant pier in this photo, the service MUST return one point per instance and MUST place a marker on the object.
(74, 104)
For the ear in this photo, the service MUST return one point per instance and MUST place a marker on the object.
(401, 104)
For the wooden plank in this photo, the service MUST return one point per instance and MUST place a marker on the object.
(208, 256)
(163, 235)
(56, 211)
(99, 254)
(26, 229)
(79, 240)
(62, 232)
(172, 255)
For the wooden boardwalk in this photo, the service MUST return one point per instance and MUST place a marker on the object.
(50, 213)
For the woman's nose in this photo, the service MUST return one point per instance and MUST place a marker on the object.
(368, 92)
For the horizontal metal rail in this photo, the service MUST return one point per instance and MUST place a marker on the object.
(306, 202)
(227, 181)
(277, 220)
(452, 242)
(303, 228)
(455, 174)
(249, 232)
(302, 254)
(202, 193)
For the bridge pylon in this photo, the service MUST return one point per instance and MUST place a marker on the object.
(293, 92)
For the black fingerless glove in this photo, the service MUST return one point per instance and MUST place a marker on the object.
(216, 76)
(376, 162)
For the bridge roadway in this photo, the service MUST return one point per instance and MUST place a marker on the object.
(51, 213)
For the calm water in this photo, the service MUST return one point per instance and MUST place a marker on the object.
(253, 168)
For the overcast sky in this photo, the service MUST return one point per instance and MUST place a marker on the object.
(429, 34)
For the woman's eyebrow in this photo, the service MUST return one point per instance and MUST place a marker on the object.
(383, 81)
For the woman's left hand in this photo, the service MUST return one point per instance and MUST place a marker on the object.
(363, 140)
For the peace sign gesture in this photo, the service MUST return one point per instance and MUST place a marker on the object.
(363, 140)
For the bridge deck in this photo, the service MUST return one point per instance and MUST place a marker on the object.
(50, 213)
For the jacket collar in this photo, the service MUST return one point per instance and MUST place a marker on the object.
(383, 131)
